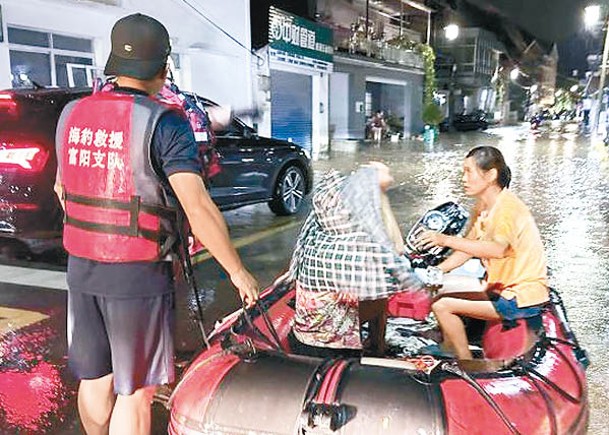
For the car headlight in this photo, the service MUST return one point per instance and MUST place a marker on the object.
(306, 153)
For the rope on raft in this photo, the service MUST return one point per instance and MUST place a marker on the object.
(258, 332)
(270, 325)
(454, 369)
(530, 372)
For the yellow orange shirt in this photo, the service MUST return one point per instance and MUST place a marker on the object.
(523, 272)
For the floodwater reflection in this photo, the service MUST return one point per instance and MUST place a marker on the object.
(565, 182)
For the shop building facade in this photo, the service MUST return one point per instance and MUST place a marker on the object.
(360, 87)
(293, 73)
(371, 71)
(467, 71)
(322, 90)
(67, 42)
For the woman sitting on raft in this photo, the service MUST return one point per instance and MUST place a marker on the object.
(505, 237)
(347, 261)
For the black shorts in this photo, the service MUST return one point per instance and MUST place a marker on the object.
(129, 337)
(510, 313)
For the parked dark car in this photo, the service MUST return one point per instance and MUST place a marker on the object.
(254, 169)
(258, 169)
(476, 120)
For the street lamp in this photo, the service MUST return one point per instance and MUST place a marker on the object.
(451, 32)
(592, 15)
(514, 74)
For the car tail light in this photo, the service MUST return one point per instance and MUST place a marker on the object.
(7, 104)
(26, 157)
(22, 206)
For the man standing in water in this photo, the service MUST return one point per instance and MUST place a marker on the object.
(127, 166)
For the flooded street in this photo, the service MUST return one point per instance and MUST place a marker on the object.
(564, 181)
(127, 127)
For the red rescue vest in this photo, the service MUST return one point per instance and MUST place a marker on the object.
(116, 210)
(200, 124)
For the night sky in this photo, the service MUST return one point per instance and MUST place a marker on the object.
(559, 21)
(574, 51)
(549, 20)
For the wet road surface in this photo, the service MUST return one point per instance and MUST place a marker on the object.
(564, 181)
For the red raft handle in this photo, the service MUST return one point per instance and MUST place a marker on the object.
(324, 413)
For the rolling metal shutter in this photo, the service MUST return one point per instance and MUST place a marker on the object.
(291, 107)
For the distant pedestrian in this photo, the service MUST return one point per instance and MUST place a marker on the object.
(586, 108)
(127, 167)
(378, 126)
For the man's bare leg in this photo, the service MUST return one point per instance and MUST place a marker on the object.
(95, 402)
(132, 414)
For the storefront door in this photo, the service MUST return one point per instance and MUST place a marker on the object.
(291, 107)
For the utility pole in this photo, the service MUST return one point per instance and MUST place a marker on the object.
(367, 16)
(601, 85)
(366, 27)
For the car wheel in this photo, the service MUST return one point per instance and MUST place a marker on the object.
(289, 192)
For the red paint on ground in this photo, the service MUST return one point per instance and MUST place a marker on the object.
(28, 397)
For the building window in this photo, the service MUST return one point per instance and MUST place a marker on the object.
(73, 71)
(28, 37)
(28, 68)
(1, 26)
(49, 59)
(73, 44)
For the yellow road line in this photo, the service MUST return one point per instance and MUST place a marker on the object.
(248, 240)
(13, 319)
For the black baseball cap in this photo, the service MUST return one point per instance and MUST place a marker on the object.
(140, 47)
